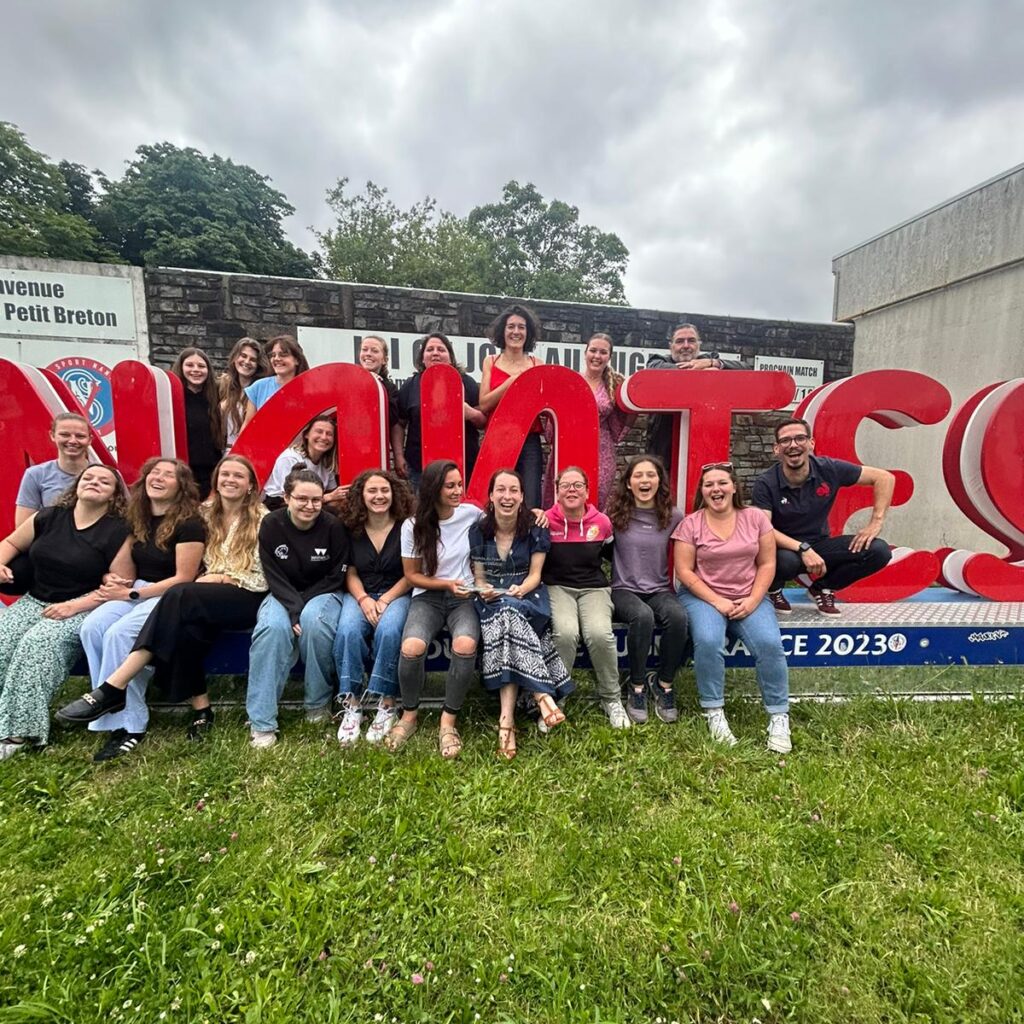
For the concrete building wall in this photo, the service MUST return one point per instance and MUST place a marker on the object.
(942, 293)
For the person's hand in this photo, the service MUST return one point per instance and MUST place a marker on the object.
(540, 518)
(723, 606)
(401, 466)
(338, 494)
(862, 538)
(368, 607)
(516, 590)
(490, 594)
(742, 608)
(115, 589)
(216, 577)
(457, 587)
(813, 563)
(297, 629)
(6, 576)
(112, 577)
(473, 416)
(60, 610)
(699, 364)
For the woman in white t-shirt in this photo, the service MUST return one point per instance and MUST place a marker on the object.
(725, 560)
(316, 450)
(435, 556)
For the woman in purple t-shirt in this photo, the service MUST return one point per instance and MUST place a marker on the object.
(725, 560)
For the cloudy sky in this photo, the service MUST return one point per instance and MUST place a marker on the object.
(735, 146)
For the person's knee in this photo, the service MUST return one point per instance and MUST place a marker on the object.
(464, 645)
(413, 647)
(877, 555)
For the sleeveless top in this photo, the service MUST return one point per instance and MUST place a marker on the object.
(499, 376)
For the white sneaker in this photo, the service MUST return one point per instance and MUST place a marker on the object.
(718, 726)
(616, 714)
(381, 724)
(262, 740)
(320, 714)
(351, 722)
(9, 748)
(778, 734)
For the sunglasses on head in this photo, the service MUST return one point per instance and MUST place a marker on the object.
(727, 466)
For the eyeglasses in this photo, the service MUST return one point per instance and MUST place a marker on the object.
(785, 442)
(727, 466)
(572, 486)
(306, 501)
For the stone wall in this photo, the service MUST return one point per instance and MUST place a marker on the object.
(214, 310)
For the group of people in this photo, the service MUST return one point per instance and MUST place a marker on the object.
(359, 580)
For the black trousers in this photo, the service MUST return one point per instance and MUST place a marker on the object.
(641, 612)
(183, 627)
(842, 565)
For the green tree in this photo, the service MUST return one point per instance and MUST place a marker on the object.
(39, 215)
(540, 250)
(377, 242)
(178, 207)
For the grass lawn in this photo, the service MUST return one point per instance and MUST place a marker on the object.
(875, 874)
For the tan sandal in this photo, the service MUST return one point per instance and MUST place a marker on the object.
(506, 742)
(550, 712)
(449, 742)
(400, 734)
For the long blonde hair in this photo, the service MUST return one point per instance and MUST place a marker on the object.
(610, 377)
(243, 549)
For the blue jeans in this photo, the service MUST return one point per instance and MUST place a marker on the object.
(275, 649)
(352, 648)
(759, 633)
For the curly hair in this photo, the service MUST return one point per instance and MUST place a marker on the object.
(247, 532)
(524, 517)
(426, 530)
(622, 505)
(140, 507)
(209, 390)
(610, 377)
(496, 332)
(356, 514)
(118, 504)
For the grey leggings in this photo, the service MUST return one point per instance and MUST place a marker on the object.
(429, 613)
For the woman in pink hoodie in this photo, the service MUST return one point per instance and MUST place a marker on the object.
(581, 596)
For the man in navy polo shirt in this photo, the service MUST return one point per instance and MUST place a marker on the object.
(798, 495)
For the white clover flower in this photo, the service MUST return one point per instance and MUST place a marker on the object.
(20, 950)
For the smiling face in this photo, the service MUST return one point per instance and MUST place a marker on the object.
(506, 495)
(97, 485)
(71, 438)
(717, 489)
(515, 331)
(246, 363)
(435, 352)
(195, 371)
(643, 484)
(233, 482)
(283, 363)
(572, 493)
(162, 483)
(319, 439)
(684, 345)
(372, 355)
(450, 497)
(597, 355)
(304, 503)
(377, 496)
(793, 446)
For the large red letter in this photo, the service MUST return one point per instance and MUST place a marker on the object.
(149, 415)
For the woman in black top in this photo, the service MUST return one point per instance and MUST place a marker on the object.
(436, 350)
(304, 551)
(373, 356)
(376, 605)
(203, 422)
(71, 546)
(165, 547)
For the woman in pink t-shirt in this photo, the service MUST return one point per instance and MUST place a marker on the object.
(725, 560)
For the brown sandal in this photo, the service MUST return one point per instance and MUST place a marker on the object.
(549, 711)
(400, 734)
(449, 742)
(506, 742)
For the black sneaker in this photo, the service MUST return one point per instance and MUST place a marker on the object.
(636, 704)
(779, 602)
(664, 701)
(91, 706)
(120, 742)
(201, 724)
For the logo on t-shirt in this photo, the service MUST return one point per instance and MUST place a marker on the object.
(823, 491)
(320, 555)
(593, 532)
(281, 551)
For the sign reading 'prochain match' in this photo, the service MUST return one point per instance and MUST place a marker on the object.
(44, 305)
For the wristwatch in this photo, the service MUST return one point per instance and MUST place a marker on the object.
(133, 595)
(804, 546)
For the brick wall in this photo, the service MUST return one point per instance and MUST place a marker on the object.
(214, 310)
